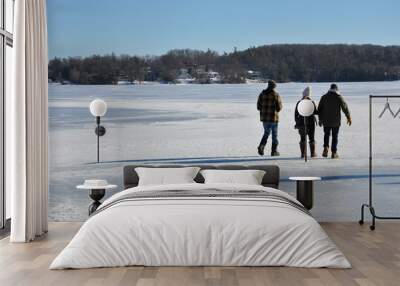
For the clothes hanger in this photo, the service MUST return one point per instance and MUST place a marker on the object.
(387, 107)
(397, 113)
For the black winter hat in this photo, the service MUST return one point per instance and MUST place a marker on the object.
(271, 84)
(334, 86)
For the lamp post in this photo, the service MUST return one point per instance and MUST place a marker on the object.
(305, 108)
(98, 108)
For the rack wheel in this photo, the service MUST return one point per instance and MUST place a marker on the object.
(372, 227)
(361, 222)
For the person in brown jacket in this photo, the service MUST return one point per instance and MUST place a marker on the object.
(269, 105)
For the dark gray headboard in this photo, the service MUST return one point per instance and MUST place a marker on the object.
(271, 178)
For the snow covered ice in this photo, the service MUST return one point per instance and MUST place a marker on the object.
(193, 124)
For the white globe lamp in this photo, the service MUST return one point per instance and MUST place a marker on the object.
(306, 108)
(98, 108)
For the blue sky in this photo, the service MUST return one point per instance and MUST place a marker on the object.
(150, 27)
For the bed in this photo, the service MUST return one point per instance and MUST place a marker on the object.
(197, 224)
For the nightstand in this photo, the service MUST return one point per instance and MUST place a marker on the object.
(305, 190)
(97, 190)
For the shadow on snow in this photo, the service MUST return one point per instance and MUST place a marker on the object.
(245, 159)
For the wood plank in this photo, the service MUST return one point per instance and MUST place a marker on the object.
(375, 257)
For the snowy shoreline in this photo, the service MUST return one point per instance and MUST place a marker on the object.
(216, 83)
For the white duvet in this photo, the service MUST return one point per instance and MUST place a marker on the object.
(199, 231)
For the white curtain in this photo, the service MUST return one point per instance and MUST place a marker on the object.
(27, 159)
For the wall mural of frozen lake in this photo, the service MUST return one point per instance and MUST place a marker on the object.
(194, 124)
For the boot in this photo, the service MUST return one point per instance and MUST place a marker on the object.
(325, 152)
(302, 146)
(274, 150)
(260, 150)
(335, 155)
(312, 150)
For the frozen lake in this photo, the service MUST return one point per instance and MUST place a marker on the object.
(193, 124)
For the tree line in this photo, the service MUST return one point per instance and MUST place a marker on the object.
(282, 62)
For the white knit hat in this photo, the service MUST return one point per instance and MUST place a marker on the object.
(307, 92)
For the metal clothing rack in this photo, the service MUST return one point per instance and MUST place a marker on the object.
(370, 201)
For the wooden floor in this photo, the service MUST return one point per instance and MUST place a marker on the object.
(375, 257)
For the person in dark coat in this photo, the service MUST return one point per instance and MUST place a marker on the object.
(310, 128)
(329, 114)
(269, 104)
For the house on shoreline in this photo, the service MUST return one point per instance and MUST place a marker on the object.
(254, 77)
(184, 77)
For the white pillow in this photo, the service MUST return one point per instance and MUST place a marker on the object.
(166, 176)
(248, 177)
